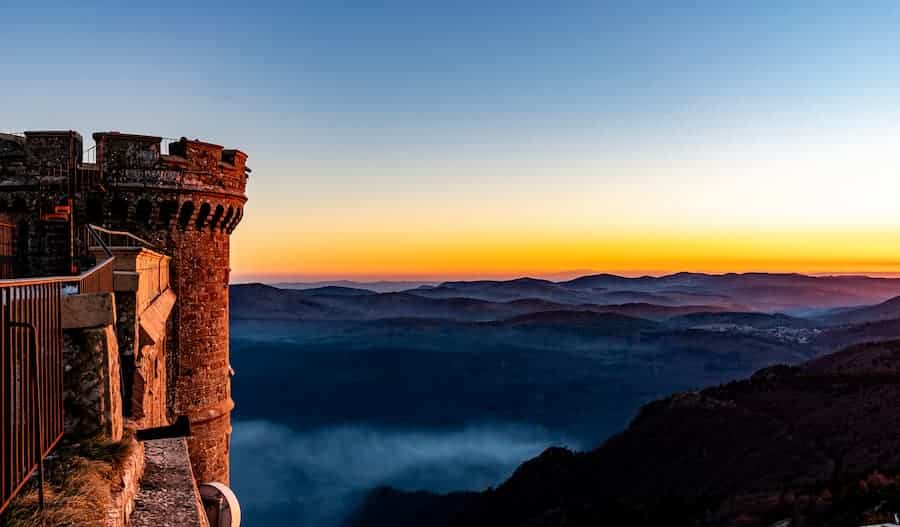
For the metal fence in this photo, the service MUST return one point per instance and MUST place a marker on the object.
(31, 371)
(31, 382)
(7, 231)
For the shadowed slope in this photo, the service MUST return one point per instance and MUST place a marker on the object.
(789, 441)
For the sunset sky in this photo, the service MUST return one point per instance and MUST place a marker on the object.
(463, 141)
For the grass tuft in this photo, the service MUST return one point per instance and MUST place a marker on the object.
(80, 477)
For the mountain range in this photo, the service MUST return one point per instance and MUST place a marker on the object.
(583, 359)
(644, 297)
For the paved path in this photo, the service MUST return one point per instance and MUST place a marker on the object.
(167, 497)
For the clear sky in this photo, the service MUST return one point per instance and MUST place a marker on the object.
(470, 139)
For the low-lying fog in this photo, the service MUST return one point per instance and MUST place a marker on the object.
(315, 478)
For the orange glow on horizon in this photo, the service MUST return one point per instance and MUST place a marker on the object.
(415, 255)
(773, 201)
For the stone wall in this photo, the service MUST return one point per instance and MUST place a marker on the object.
(145, 302)
(48, 249)
(203, 383)
(126, 488)
(52, 151)
(148, 397)
(127, 331)
(186, 201)
(93, 402)
(34, 181)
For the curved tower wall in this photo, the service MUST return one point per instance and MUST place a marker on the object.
(188, 202)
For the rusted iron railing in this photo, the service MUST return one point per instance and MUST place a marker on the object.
(7, 231)
(31, 371)
(31, 383)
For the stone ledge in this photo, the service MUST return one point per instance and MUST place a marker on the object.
(125, 280)
(89, 310)
(92, 384)
(153, 319)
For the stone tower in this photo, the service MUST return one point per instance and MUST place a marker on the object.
(183, 196)
(187, 200)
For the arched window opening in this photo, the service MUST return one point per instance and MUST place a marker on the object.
(184, 217)
(226, 221)
(216, 217)
(201, 216)
(18, 205)
(167, 211)
(237, 219)
(143, 211)
(119, 210)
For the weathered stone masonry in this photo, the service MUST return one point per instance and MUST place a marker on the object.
(186, 202)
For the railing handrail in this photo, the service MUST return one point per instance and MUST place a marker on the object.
(92, 233)
(14, 282)
(126, 234)
(93, 270)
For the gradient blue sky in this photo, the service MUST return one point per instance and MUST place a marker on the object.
(463, 139)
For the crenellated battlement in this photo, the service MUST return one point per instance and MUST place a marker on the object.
(127, 159)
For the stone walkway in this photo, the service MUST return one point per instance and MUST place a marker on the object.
(167, 497)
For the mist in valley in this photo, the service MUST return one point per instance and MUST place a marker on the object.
(319, 476)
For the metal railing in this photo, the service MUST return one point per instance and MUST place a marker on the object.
(165, 143)
(99, 279)
(106, 238)
(31, 371)
(7, 231)
(31, 383)
(89, 155)
(154, 273)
